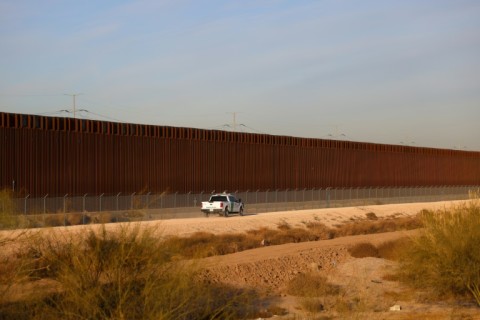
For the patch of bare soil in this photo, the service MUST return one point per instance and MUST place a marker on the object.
(272, 266)
(364, 291)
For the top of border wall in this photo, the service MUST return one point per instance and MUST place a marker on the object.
(62, 124)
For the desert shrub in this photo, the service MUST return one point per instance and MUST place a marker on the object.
(198, 245)
(8, 213)
(14, 269)
(74, 219)
(231, 243)
(127, 274)
(352, 307)
(378, 226)
(311, 285)
(446, 256)
(363, 250)
(283, 225)
(292, 235)
(264, 233)
(54, 220)
(393, 250)
(371, 216)
(313, 292)
(320, 230)
(204, 244)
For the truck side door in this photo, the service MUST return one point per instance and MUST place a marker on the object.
(235, 205)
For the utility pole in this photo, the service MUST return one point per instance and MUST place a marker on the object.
(74, 95)
(234, 128)
(337, 133)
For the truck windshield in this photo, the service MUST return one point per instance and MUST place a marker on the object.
(218, 198)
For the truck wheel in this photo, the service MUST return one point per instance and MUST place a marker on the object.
(241, 211)
(226, 213)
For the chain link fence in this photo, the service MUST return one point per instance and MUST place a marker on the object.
(70, 210)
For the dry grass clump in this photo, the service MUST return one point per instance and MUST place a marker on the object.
(12, 268)
(283, 234)
(363, 250)
(6, 210)
(204, 244)
(321, 231)
(314, 292)
(283, 225)
(311, 285)
(371, 216)
(9, 217)
(377, 226)
(293, 235)
(390, 250)
(323, 300)
(393, 250)
(127, 274)
(446, 256)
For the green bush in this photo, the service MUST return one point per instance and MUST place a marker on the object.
(446, 256)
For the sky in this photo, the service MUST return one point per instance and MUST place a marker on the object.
(382, 71)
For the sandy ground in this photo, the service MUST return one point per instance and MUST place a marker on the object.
(268, 269)
(330, 217)
(235, 223)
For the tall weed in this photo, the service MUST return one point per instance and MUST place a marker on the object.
(446, 256)
(12, 269)
(9, 218)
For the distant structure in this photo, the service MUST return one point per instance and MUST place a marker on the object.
(56, 156)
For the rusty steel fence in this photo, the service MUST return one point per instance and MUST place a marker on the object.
(86, 209)
(42, 155)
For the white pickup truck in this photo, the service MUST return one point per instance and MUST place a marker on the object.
(222, 204)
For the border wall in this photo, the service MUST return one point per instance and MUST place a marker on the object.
(56, 156)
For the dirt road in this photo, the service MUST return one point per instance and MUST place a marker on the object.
(330, 217)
